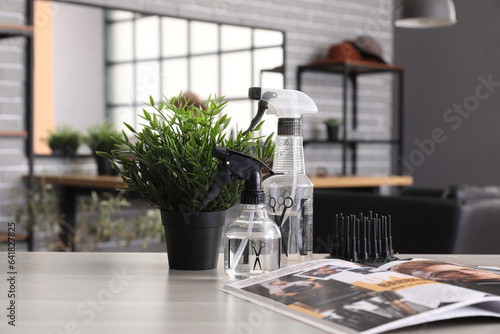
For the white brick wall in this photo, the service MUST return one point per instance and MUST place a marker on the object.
(13, 163)
(311, 27)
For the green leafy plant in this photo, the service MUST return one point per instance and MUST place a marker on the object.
(171, 162)
(100, 137)
(65, 141)
(100, 219)
(333, 122)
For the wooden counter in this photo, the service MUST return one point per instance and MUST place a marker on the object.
(360, 181)
(110, 182)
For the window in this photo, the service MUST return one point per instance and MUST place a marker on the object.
(162, 56)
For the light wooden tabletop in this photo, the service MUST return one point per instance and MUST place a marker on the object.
(137, 293)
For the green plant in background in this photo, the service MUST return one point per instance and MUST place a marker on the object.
(44, 219)
(100, 137)
(65, 141)
(171, 163)
(100, 219)
(333, 122)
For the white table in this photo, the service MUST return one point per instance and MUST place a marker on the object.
(137, 293)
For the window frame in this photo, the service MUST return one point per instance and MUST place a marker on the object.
(136, 105)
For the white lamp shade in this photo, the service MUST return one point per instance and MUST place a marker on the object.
(426, 14)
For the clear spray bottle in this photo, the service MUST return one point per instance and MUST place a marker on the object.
(252, 241)
(289, 193)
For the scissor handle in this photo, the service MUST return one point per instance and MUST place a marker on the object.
(291, 202)
(272, 202)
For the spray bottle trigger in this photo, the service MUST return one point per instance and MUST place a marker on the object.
(263, 105)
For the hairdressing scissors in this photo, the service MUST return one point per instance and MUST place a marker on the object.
(286, 202)
(262, 244)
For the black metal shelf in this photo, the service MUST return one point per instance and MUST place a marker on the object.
(351, 142)
(25, 31)
(350, 70)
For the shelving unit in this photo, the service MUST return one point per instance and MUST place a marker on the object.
(350, 70)
(25, 31)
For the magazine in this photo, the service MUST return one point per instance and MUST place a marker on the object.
(344, 297)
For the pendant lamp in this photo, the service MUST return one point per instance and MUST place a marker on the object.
(425, 13)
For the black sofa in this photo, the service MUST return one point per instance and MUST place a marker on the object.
(457, 220)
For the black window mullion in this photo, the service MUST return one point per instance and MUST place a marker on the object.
(189, 55)
(134, 68)
(219, 60)
(160, 55)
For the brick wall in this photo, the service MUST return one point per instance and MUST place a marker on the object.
(311, 27)
(13, 163)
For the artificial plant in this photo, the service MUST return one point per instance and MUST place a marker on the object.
(171, 162)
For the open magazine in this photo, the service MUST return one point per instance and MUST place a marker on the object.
(345, 297)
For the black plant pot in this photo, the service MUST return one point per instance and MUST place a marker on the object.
(333, 132)
(193, 239)
(104, 166)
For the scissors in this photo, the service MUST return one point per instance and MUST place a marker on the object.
(286, 203)
(262, 244)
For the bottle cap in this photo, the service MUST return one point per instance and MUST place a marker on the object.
(289, 127)
(253, 193)
(252, 197)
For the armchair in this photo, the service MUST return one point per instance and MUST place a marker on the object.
(463, 219)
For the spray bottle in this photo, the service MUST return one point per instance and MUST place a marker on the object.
(289, 193)
(252, 241)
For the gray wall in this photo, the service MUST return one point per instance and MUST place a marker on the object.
(452, 116)
(311, 27)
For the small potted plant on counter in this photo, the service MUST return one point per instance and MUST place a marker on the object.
(171, 165)
(65, 141)
(100, 138)
(332, 128)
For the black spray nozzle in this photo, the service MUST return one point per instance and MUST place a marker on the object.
(236, 165)
(255, 93)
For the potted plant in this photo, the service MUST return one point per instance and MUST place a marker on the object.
(172, 166)
(65, 141)
(100, 138)
(332, 128)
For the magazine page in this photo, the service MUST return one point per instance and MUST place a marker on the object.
(343, 297)
(484, 279)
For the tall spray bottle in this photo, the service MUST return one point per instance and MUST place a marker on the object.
(289, 193)
(252, 241)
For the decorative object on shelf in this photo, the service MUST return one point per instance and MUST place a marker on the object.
(100, 138)
(332, 128)
(426, 14)
(65, 141)
(171, 164)
(363, 48)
